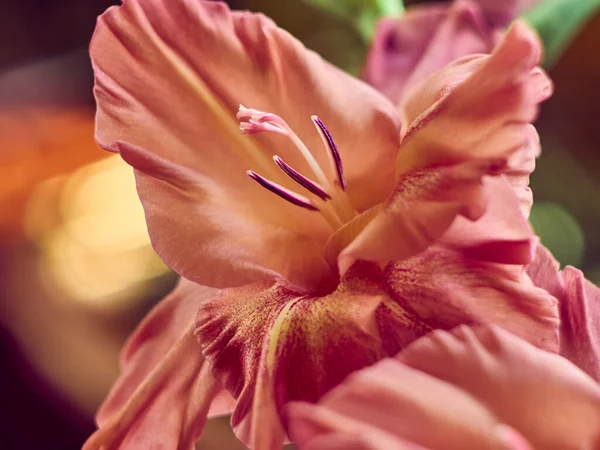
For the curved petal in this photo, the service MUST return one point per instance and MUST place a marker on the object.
(366, 439)
(477, 107)
(542, 395)
(405, 404)
(170, 75)
(544, 271)
(205, 236)
(581, 322)
(445, 289)
(466, 121)
(408, 49)
(269, 343)
(579, 309)
(163, 370)
(521, 164)
(502, 234)
(443, 203)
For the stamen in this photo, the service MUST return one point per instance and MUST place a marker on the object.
(256, 121)
(306, 183)
(286, 194)
(336, 159)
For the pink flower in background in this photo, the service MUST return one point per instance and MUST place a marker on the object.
(470, 388)
(335, 240)
(426, 37)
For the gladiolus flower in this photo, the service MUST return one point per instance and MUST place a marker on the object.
(427, 37)
(336, 230)
(477, 388)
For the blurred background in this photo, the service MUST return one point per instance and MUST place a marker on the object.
(76, 269)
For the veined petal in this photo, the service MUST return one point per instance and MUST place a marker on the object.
(207, 236)
(477, 107)
(402, 403)
(163, 370)
(269, 343)
(544, 271)
(465, 122)
(502, 234)
(579, 309)
(424, 39)
(422, 208)
(542, 395)
(581, 322)
(445, 289)
(520, 165)
(170, 75)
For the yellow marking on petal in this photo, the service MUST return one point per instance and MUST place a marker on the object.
(280, 327)
(244, 147)
(401, 314)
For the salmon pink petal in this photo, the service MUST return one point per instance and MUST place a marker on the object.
(408, 49)
(477, 107)
(465, 122)
(221, 241)
(579, 309)
(520, 165)
(540, 394)
(369, 439)
(445, 289)
(502, 234)
(163, 370)
(427, 205)
(270, 343)
(404, 403)
(171, 74)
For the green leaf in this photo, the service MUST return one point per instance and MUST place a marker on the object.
(362, 14)
(558, 231)
(557, 22)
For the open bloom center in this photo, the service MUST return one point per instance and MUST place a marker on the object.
(327, 194)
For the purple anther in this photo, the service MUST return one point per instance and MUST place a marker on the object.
(306, 183)
(333, 150)
(286, 194)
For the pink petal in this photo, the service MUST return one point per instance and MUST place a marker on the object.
(477, 107)
(502, 234)
(269, 343)
(408, 49)
(579, 309)
(368, 440)
(163, 370)
(222, 241)
(170, 75)
(501, 13)
(542, 395)
(520, 165)
(465, 122)
(445, 289)
(544, 271)
(405, 404)
(427, 206)
(581, 322)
